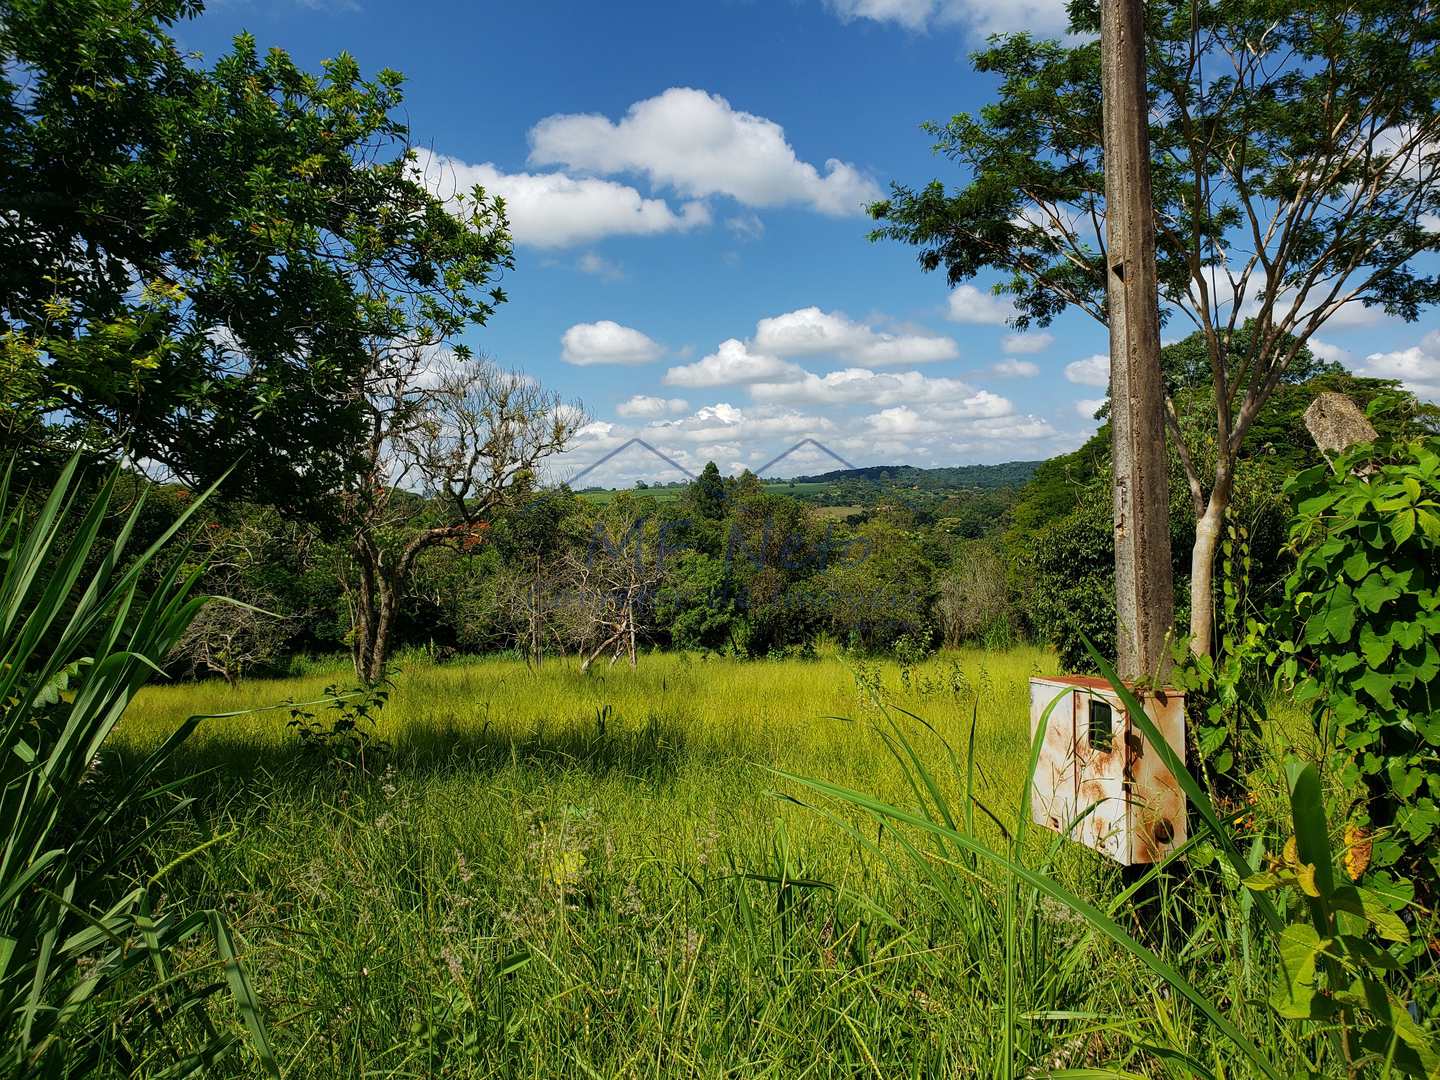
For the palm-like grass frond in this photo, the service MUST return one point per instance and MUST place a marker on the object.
(84, 624)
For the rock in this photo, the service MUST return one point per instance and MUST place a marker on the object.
(1337, 423)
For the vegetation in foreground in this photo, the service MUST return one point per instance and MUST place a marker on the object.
(554, 874)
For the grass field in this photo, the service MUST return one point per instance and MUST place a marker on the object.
(551, 874)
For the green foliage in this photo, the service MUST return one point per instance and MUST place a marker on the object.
(707, 493)
(881, 589)
(1058, 484)
(1225, 693)
(80, 932)
(1335, 967)
(1066, 575)
(1333, 971)
(1224, 144)
(340, 730)
(197, 259)
(1362, 626)
(945, 478)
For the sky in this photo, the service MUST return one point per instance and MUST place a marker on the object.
(686, 183)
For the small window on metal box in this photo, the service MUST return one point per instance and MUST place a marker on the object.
(1100, 736)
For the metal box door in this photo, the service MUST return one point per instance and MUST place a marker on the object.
(1100, 798)
(1054, 785)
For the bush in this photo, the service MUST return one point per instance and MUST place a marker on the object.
(1065, 572)
(1363, 618)
(974, 603)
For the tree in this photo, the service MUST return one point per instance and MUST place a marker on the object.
(611, 581)
(194, 260)
(1290, 182)
(530, 540)
(974, 596)
(451, 442)
(242, 627)
(707, 493)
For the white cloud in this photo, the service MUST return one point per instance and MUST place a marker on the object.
(1088, 407)
(901, 420)
(733, 362)
(1092, 371)
(552, 210)
(1417, 368)
(607, 342)
(981, 17)
(747, 226)
(1017, 369)
(812, 332)
(599, 266)
(698, 145)
(644, 405)
(969, 305)
(1331, 354)
(725, 422)
(1027, 344)
(942, 417)
(862, 386)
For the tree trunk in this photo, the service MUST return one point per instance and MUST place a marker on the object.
(1144, 588)
(1208, 528)
(374, 617)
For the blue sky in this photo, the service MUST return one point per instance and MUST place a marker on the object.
(686, 182)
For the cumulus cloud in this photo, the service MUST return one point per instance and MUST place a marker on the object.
(980, 17)
(1016, 369)
(1027, 344)
(904, 420)
(812, 332)
(1331, 354)
(1088, 407)
(1417, 368)
(552, 210)
(1092, 371)
(607, 342)
(862, 386)
(968, 304)
(732, 363)
(698, 145)
(723, 422)
(644, 405)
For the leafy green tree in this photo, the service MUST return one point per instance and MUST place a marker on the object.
(881, 588)
(196, 262)
(1291, 181)
(707, 493)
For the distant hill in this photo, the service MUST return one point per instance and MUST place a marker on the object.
(949, 478)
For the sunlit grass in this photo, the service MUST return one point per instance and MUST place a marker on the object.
(559, 874)
(715, 713)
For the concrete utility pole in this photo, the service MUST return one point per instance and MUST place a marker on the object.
(1144, 589)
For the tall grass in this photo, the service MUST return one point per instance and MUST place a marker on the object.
(555, 874)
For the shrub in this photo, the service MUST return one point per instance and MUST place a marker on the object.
(1066, 575)
(974, 603)
(1363, 619)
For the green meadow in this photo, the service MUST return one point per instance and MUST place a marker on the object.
(548, 874)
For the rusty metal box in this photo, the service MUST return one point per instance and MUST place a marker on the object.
(1098, 779)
